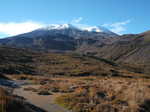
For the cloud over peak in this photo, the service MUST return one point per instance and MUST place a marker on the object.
(77, 20)
(117, 27)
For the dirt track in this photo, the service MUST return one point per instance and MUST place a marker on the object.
(44, 102)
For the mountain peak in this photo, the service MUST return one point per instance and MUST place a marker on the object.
(59, 27)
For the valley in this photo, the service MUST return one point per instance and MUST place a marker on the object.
(65, 82)
(65, 69)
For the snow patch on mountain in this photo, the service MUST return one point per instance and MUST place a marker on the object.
(93, 29)
(96, 29)
(59, 27)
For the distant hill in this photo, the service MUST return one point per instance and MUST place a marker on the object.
(131, 49)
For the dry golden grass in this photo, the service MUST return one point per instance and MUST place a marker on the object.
(98, 93)
(114, 94)
(3, 100)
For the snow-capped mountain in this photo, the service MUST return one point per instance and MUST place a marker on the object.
(60, 37)
(75, 31)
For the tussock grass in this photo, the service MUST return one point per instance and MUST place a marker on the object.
(108, 95)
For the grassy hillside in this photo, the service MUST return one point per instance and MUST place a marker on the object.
(20, 61)
(131, 50)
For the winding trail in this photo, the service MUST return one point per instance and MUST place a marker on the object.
(44, 102)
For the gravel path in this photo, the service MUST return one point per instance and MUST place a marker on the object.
(44, 102)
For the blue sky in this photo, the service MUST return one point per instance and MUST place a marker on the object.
(120, 16)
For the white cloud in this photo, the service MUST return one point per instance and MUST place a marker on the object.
(117, 27)
(77, 20)
(15, 28)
